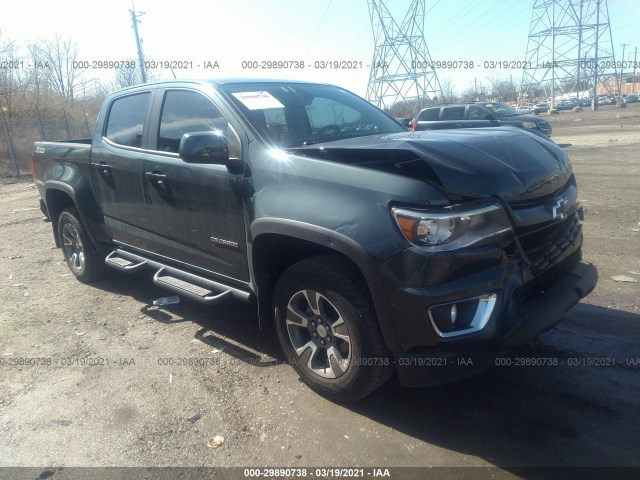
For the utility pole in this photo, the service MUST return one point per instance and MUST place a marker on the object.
(135, 21)
(594, 101)
(553, 57)
(635, 63)
(624, 45)
(580, 28)
(511, 91)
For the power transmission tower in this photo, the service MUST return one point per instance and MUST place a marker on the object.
(401, 69)
(570, 49)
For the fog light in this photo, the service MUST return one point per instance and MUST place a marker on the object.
(462, 317)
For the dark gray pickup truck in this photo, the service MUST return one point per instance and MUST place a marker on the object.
(478, 115)
(371, 249)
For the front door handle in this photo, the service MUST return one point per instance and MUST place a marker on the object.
(156, 177)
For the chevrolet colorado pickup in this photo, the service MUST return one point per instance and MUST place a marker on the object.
(371, 248)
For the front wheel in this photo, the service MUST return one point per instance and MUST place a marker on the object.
(328, 328)
(79, 251)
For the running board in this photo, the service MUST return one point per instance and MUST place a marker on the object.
(188, 289)
(195, 287)
(122, 264)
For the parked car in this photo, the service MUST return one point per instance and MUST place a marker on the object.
(565, 105)
(541, 107)
(606, 100)
(631, 99)
(526, 108)
(369, 248)
(478, 115)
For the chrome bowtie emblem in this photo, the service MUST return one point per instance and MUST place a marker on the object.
(557, 208)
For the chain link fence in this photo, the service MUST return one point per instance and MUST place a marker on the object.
(22, 124)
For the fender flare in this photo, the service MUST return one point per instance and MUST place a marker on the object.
(341, 244)
(51, 185)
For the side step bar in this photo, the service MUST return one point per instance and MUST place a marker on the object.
(123, 264)
(190, 290)
(184, 283)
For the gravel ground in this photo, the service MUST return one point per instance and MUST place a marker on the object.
(110, 380)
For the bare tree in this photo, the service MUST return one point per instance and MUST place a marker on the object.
(449, 91)
(60, 59)
(14, 77)
(409, 108)
(126, 76)
(471, 95)
(504, 91)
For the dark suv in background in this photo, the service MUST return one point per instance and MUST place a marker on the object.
(476, 115)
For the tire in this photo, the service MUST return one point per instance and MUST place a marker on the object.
(79, 251)
(328, 328)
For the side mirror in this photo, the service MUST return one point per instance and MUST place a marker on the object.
(490, 116)
(204, 147)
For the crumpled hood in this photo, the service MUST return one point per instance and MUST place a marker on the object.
(504, 161)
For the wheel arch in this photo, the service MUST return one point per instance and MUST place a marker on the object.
(279, 243)
(60, 196)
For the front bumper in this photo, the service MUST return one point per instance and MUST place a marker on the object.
(528, 284)
(531, 318)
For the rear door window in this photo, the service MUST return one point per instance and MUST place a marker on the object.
(453, 113)
(477, 113)
(126, 120)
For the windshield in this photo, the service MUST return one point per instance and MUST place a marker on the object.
(502, 110)
(293, 114)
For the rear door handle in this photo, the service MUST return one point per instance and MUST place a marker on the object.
(156, 177)
(103, 168)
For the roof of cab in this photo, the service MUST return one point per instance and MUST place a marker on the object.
(216, 82)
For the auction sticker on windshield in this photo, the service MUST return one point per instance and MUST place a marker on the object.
(258, 100)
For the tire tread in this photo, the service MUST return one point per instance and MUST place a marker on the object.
(348, 281)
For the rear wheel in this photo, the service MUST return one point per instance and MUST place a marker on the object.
(328, 328)
(79, 252)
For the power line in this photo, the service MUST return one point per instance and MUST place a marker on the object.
(318, 28)
(471, 32)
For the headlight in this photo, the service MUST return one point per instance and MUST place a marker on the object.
(452, 228)
(529, 125)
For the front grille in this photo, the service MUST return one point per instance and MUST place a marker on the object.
(545, 243)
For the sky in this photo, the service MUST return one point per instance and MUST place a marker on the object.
(231, 32)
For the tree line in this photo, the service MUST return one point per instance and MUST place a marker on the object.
(47, 94)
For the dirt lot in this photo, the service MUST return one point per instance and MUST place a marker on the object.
(111, 388)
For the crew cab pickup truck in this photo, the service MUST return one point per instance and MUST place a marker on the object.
(371, 248)
(478, 115)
